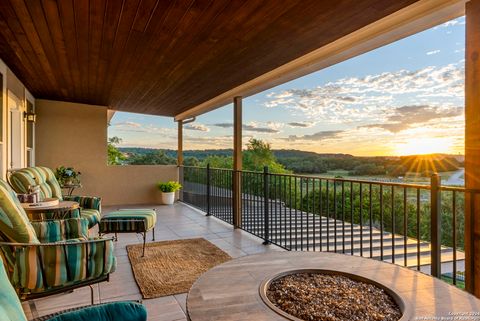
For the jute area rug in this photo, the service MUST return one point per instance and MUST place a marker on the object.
(171, 267)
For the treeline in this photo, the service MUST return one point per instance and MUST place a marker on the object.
(300, 161)
(360, 166)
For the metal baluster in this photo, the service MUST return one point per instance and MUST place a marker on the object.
(418, 229)
(381, 222)
(351, 218)
(275, 198)
(393, 224)
(343, 217)
(320, 205)
(296, 216)
(208, 191)
(265, 204)
(370, 219)
(335, 213)
(328, 214)
(454, 236)
(314, 215)
(405, 227)
(284, 204)
(308, 215)
(361, 219)
(301, 213)
(290, 208)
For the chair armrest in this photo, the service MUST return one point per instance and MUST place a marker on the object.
(38, 267)
(50, 231)
(91, 202)
(120, 310)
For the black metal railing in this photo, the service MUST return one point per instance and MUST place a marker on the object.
(414, 225)
(210, 190)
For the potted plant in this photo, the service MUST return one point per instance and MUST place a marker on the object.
(168, 190)
(67, 176)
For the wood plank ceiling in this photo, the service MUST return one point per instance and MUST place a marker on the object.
(163, 57)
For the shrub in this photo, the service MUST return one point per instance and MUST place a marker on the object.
(168, 187)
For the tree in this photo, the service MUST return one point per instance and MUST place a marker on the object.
(158, 157)
(217, 161)
(258, 155)
(114, 156)
(191, 161)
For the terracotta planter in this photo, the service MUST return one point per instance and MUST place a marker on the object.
(167, 198)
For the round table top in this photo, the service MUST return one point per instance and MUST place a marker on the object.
(230, 291)
(61, 206)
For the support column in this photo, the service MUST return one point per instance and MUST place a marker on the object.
(237, 162)
(180, 157)
(472, 147)
(180, 143)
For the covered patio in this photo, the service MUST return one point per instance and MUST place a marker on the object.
(67, 66)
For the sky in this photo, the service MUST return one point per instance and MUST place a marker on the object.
(401, 99)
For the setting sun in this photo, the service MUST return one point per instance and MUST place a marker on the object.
(421, 146)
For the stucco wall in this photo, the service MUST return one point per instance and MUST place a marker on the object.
(75, 135)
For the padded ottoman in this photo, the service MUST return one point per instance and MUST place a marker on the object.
(129, 221)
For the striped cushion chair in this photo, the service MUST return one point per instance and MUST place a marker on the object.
(21, 179)
(11, 308)
(52, 256)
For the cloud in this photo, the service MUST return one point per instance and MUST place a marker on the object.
(367, 99)
(318, 136)
(253, 127)
(433, 52)
(133, 127)
(301, 124)
(405, 117)
(451, 23)
(130, 124)
(223, 125)
(197, 127)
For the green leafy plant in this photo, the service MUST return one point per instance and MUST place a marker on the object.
(67, 175)
(168, 187)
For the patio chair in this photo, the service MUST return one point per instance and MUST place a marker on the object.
(11, 308)
(21, 179)
(51, 256)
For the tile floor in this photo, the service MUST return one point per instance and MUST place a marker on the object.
(173, 222)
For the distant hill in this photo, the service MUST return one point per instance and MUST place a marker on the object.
(288, 153)
(300, 161)
(198, 153)
(203, 153)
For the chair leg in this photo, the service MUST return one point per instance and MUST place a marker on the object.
(144, 241)
(91, 293)
(116, 237)
(153, 234)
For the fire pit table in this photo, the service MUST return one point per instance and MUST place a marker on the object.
(234, 290)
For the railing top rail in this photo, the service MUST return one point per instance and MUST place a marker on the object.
(459, 189)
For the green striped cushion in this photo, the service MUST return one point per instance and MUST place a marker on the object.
(14, 223)
(90, 202)
(63, 265)
(10, 307)
(128, 221)
(32, 176)
(92, 216)
(60, 230)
